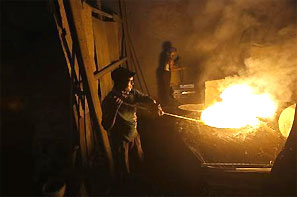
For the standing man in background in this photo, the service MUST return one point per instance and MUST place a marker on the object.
(170, 65)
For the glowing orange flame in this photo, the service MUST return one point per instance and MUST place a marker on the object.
(239, 107)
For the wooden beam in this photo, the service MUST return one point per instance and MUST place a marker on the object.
(102, 55)
(66, 43)
(82, 139)
(108, 68)
(73, 9)
(116, 18)
(101, 13)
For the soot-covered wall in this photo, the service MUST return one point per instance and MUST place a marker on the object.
(218, 38)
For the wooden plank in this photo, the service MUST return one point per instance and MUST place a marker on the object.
(76, 115)
(113, 33)
(82, 140)
(87, 22)
(101, 44)
(101, 13)
(106, 85)
(117, 19)
(88, 143)
(89, 134)
(77, 32)
(109, 68)
(64, 30)
(62, 27)
(66, 43)
(65, 39)
(103, 57)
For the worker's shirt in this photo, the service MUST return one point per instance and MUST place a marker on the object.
(167, 67)
(120, 120)
(170, 63)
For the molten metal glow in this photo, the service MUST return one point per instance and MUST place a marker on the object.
(239, 107)
(286, 119)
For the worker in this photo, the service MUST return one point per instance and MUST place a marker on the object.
(169, 66)
(120, 121)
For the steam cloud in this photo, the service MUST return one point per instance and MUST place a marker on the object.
(246, 39)
(252, 40)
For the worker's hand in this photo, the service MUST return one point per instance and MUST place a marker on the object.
(160, 111)
(118, 100)
(156, 108)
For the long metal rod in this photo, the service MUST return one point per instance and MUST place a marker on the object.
(241, 165)
(182, 117)
(164, 113)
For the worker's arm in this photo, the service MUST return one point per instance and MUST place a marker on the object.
(142, 98)
(145, 99)
(177, 68)
(175, 65)
(110, 107)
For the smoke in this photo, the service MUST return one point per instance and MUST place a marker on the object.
(252, 40)
(249, 39)
(275, 70)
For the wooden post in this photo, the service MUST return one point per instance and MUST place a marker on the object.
(73, 10)
(66, 43)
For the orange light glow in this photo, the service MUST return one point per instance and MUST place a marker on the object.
(286, 119)
(240, 107)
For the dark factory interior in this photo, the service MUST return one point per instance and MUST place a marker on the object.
(221, 76)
